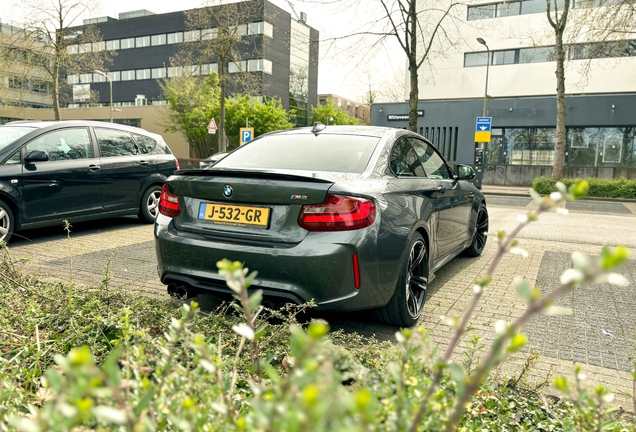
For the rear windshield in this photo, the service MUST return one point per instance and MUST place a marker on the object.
(325, 152)
(8, 134)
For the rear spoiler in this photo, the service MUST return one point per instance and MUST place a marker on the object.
(220, 172)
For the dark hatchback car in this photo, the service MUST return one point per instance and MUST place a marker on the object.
(353, 217)
(78, 170)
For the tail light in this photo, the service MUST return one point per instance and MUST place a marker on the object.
(338, 213)
(168, 203)
(176, 162)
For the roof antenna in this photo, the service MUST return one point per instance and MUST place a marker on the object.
(318, 127)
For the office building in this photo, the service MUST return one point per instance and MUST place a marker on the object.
(600, 93)
(279, 51)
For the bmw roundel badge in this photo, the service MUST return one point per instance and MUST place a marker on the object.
(227, 191)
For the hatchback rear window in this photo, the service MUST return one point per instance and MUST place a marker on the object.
(325, 152)
(9, 134)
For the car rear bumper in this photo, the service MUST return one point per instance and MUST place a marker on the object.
(320, 267)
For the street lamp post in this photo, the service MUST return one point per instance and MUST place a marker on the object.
(483, 42)
(110, 83)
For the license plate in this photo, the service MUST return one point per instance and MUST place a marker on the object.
(234, 214)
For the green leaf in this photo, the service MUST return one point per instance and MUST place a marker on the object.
(458, 375)
(579, 189)
(613, 257)
(524, 290)
(518, 341)
(144, 402)
(536, 196)
(255, 300)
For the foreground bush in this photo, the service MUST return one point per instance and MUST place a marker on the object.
(604, 188)
(102, 360)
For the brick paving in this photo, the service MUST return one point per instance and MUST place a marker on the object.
(561, 341)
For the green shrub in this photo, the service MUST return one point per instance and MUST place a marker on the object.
(604, 188)
(103, 360)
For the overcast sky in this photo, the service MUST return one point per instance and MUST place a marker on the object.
(342, 70)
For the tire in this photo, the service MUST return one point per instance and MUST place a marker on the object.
(480, 236)
(405, 307)
(7, 222)
(149, 206)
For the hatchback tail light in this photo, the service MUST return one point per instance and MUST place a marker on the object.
(176, 163)
(338, 213)
(168, 203)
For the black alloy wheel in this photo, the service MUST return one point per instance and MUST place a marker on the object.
(406, 305)
(481, 233)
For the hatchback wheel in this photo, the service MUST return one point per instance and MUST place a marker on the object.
(405, 307)
(6, 222)
(149, 208)
(481, 233)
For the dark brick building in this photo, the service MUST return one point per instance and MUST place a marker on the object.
(279, 52)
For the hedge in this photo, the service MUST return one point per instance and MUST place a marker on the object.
(605, 188)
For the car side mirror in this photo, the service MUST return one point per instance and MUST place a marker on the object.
(37, 156)
(465, 172)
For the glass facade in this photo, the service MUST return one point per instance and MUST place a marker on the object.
(299, 72)
(584, 147)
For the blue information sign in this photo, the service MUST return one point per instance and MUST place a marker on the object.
(483, 124)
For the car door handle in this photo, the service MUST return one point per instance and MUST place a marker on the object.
(472, 195)
(143, 163)
(440, 188)
(93, 168)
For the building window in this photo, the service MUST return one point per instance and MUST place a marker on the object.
(481, 12)
(175, 71)
(127, 43)
(536, 55)
(158, 40)
(504, 57)
(235, 67)
(86, 78)
(72, 49)
(158, 73)
(268, 30)
(85, 48)
(207, 69)
(267, 66)
(209, 34)
(255, 65)
(255, 28)
(128, 75)
(241, 30)
(72, 79)
(97, 78)
(174, 38)
(112, 45)
(475, 59)
(143, 74)
(99, 46)
(192, 36)
(142, 41)
(114, 76)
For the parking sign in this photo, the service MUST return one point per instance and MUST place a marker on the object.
(247, 135)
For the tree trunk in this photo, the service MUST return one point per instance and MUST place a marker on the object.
(559, 149)
(56, 88)
(414, 94)
(221, 131)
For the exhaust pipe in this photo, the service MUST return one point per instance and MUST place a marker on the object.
(180, 291)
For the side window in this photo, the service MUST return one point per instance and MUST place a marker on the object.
(434, 165)
(404, 161)
(149, 145)
(14, 159)
(115, 143)
(65, 144)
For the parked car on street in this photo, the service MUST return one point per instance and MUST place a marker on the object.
(353, 217)
(212, 160)
(78, 170)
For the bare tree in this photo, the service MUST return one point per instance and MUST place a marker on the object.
(558, 20)
(71, 51)
(225, 36)
(419, 28)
